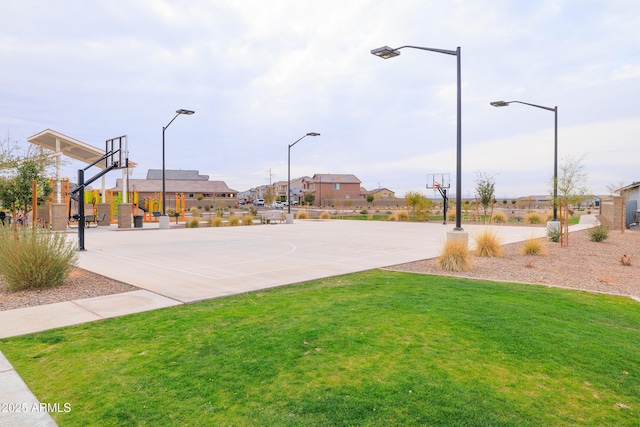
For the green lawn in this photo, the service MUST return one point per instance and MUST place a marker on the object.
(375, 348)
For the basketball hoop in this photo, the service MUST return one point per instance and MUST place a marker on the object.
(436, 185)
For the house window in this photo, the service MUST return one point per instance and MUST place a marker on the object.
(190, 195)
(336, 186)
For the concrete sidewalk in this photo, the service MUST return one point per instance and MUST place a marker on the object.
(179, 266)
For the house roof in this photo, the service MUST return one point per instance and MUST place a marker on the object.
(70, 147)
(177, 174)
(336, 178)
(175, 186)
(376, 190)
(630, 186)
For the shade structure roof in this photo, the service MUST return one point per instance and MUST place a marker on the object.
(70, 147)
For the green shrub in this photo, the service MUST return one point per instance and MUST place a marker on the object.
(247, 219)
(35, 258)
(234, 220)
(598, 233)
(553, 234)
(455, 256)
(193, 223)
(488, 244)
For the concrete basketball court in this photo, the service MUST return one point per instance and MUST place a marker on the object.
(189, 265)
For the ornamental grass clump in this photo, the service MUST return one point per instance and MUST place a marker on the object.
(325, 215)
(533, 218)
(499, 218)
(35, 258)
(234, 220)
(193, 223)
(302, 215)
(533, 246)
(455, 256)
(599, 233)
(215, 221)
(402, 216)
(247, 219)
(488, 244)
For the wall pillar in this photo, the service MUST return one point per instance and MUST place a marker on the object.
(125, 210)
(58, 216)
(104, 208)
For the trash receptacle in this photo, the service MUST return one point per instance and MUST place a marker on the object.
(137, 221)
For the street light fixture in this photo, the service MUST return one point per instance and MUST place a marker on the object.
(289, 169)
(164, 198)
(555, 147)
(387, 52)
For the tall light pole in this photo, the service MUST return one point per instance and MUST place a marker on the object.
(164, 193)
(387, 52)
(555, 147)
(289, 169)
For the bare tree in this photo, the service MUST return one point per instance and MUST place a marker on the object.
(572, 180)
(615, 189)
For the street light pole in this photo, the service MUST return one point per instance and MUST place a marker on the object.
(387, 52)
(289, 169)
(555, 146)
(164, 128)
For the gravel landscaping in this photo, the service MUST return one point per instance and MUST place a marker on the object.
(583, 265)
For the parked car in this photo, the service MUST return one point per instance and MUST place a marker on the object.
(278, 205)
(258, 202)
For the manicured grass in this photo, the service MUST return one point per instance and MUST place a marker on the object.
(374, 348)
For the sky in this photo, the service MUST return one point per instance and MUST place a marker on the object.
(261, 74)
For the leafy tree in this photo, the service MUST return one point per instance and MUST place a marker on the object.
(419, 204)
(309, 198)
(370, 199)
(17, 192)
(485, 188)
(269, 196)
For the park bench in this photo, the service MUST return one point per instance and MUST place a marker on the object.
(272, 217)
(92, 219)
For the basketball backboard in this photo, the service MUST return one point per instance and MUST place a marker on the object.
(438, 180)
(117, 153)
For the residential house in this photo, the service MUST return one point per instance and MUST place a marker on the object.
(197, 189)
(334, 189)
(381, 193)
